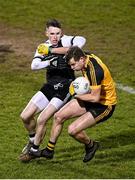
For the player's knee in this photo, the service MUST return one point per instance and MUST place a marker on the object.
(24, 117)
(58, 119)
(41, 121)
(71, 130)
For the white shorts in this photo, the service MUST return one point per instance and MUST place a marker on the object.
(41, 101)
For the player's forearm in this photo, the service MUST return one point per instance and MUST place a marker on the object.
(59, 50)
(38, 64)
(88, 97)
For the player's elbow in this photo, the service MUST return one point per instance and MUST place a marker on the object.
(96, 99)
(83, 41)
(34, 65)
(79, 41)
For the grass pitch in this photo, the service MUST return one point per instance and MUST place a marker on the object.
(109, 29)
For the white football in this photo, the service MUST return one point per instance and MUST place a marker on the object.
(81, 85)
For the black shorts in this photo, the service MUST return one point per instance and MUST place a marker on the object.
(99, 111)
(59, 90)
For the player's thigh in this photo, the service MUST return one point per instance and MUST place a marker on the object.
(29, 111)
(70, 110)
(40, 100)
(47, 113)
(82, 123)
(37, 103)
(54, 105)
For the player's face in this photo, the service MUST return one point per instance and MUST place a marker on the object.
(54, 34)
(76, 65)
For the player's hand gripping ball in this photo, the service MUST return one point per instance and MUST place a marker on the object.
(81, 85)
(43, 49)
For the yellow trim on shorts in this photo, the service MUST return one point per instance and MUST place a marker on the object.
(104, 114)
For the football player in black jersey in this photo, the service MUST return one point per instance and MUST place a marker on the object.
(55, 92)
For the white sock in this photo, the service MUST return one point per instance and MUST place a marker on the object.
(32, 139)
(33, 149)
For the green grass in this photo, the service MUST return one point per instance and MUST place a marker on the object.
(109, 29)
(107, 25)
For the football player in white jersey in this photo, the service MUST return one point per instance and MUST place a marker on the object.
(55, 92)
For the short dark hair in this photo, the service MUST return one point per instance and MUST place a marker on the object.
(54, 23)
(74, 52)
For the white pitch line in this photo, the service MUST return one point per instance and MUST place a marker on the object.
(125, 88)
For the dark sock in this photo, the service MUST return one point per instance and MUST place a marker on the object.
(90, 145)
(35, 146)
(32, 135)
(50, 146)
